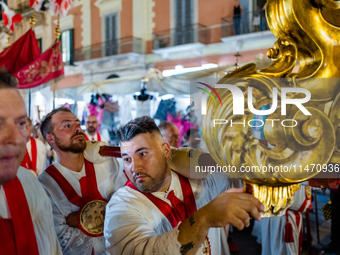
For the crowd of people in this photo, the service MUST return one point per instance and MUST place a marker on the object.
(153, 206)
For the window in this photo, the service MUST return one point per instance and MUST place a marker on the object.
(40, 44)
(183, 22)
(67, 46)
(111, 42)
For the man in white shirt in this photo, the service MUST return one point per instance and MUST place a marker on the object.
(35, 156)
(73, 182)
(161, 212)
(91, 133)
(169, 133)
(26, 223)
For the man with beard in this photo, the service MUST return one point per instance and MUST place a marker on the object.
(91, 133)
(73, 182)
(161, 212)
(26, 223)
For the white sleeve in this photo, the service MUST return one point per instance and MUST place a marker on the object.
(127, 232)
(72, 240)
(41, 156)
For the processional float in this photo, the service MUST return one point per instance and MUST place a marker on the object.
(306, 31)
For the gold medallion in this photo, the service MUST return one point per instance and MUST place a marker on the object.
(91, 218)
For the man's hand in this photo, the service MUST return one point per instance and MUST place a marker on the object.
(233, 207)
(230, 207)
(72, 220)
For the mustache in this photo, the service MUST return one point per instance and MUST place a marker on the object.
(78, 133)
(135, 175)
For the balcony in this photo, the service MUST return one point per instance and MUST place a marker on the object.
(247, 31)
(180, 38)
(25, 10)
(109, 48)
(243, 24)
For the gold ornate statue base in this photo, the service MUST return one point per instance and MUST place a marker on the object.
(306, 57)
(276, 200)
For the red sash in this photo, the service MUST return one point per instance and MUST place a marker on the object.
(176, 213)
(98, 137)
(88, 185)
(27, 162)
(17, 234)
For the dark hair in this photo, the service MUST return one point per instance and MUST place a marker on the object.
(7, 80)
(164, 125)
(46, 126)
(191, 130)
(141, 125)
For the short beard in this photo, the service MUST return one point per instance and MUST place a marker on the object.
(91, 130)
(153, 184)
(72, 147)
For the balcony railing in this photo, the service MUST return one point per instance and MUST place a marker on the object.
(243, 24)
(109, 48)
(181, 35)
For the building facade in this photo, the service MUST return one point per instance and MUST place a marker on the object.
(110, 38)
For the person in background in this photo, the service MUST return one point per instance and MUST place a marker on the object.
(26, 222)
(238, 11)
(35, 155)
(193, 139)
(334, 245)
(169, 133)
(51, 155)
(91, 133)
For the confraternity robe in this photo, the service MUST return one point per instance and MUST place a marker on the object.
(134, 225)
(40, 212)
(283, 235)
(39, 154)
(72, 240)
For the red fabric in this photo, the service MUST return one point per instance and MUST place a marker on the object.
(5, 18)
(25, 240)
(298, 219)
(98, 137)
(43, 69)
(324, 183)
(178, 205)
(83, 186)
(180, 211)
(27, 162)
(289, 238)
(92, 192)
(20, 53)
(7, 237)
(17, 18)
